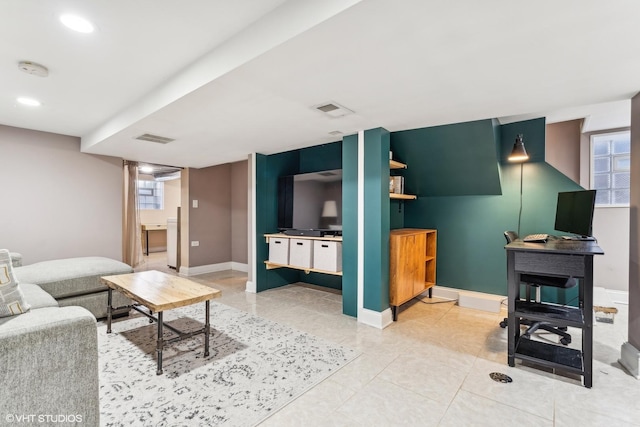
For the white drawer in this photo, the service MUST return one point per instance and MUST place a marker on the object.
(279, 251)
(327, 255)
(301, 253)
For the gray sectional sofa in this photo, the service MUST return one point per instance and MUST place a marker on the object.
(49, 360)
(49, 354)
(76, 281)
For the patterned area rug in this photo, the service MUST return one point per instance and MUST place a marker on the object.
(255, 367)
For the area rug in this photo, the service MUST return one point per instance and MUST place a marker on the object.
(255, 367)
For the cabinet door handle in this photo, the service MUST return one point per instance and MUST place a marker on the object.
(324, 246)
(299, 243)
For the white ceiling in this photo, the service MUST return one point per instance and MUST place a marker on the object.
(229, 78)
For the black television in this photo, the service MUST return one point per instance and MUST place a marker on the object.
(310, 203)
(574, 212)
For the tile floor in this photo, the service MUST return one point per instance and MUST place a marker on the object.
(432, 366)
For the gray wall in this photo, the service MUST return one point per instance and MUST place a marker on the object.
(56, 201)
(219, 223)
(239, 211)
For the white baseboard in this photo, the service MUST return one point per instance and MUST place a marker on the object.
(471, 299)
(630, 359)
(212, 268)
(375, 319)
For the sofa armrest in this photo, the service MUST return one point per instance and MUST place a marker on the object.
(49, 363)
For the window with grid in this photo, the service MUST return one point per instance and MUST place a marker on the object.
(611, 168)
(150, 195)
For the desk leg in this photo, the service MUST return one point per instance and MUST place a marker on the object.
(207, 328)
(159, 344)
(587, 330)
(512, 293)
(146, 233)
(109, 314)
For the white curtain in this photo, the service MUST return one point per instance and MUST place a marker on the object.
(131, 227)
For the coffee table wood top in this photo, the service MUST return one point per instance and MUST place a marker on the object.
(159, 291)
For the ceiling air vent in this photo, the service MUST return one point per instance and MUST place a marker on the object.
(333, 109)
(155, 138)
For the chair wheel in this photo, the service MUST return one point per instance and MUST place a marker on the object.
(503, 324)
(565, 341)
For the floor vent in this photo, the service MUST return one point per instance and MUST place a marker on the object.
(155, 138)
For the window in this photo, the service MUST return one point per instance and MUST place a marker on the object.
(151, 195)
(611, 168)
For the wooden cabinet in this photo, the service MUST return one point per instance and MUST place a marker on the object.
(412, 264)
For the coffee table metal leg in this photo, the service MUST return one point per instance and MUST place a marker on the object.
(159, 344)
(206, 329)
(109, 302)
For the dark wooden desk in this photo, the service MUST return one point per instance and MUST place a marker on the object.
(562, 258)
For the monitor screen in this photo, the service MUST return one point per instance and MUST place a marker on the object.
(574, 212)
(310, 201)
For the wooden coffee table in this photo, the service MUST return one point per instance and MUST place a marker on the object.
(158, 292)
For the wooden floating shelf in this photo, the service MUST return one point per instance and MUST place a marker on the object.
(396, 165)
(402, 196)
(271, 265)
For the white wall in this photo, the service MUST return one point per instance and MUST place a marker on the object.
(56, 201)
(611, 228)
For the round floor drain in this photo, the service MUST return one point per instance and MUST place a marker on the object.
(500, 377)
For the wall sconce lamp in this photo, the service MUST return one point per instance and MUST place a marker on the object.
(519, 154)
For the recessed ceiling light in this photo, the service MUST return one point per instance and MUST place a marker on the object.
(146, 169)
(28, 101)
(77, 23)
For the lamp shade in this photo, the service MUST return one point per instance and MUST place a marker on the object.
(518, 154)
(330, 209)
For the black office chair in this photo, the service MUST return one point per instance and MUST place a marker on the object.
(533, 281)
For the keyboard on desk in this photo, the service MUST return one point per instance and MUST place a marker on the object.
(540, 237)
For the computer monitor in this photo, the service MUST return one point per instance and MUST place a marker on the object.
(574, 212)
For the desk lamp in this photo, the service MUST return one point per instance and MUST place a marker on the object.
(519, 155)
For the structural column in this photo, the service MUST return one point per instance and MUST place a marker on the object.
(366, 227)
(630, 352)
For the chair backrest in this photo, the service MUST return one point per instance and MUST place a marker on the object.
(510, 236)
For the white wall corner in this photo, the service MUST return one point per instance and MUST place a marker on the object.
(379, 320)
(251, 287)
(630, 359)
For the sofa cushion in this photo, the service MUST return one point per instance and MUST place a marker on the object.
(12, 300)
(63, 278)
(37, 297)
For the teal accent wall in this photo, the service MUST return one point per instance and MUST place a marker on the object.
(451, 160)
(268, 169)
(470, 227)
(376, 219)
(350, 225)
